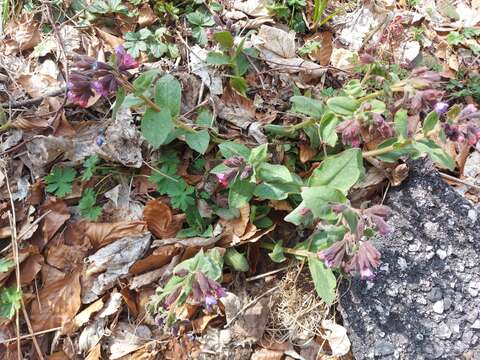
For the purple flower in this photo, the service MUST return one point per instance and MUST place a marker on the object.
(208, 291)
(384, 128)
(225, 178)
(79, 88)
(106, 85)
(125, 61)
(364, 261)
(333, 256)
(210, 301)
(350, 130)
(452, 132)
(99, 140)
(376, 215)
(441, 108)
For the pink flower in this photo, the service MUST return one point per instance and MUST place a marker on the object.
(333, 256)
(125, 61)
(79, 88)
(350, 130)
(364, 261)
(225, 178)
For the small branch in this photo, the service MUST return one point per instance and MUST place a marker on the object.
(34, 101)
(23, 337)
(460, 181)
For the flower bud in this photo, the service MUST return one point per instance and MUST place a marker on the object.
(441, 108)
(246, 173)
(234, 161)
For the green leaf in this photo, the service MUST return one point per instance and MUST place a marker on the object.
(240, 193)
(181, 196)
(354, 89)
(230, 148)
(239, 84)
(277, 253)
(430, 122)
(144, 81)
(60, 180)
(224, 38)
(168, 94)
(198, 141)
(323, 279)
(277, 174)
(435, 152)
(258, 155)
(341, 171)
(298, 217)
(343, 105)
(5, 265)
(401, 124)
(158, 49)
(90, 167)
(275, 191)
(378, 106)
(10, 301)
(217, 58)
(308, 106)
(263, 223)
(87, 206)
(319, 198)
(236, 260)
(156, 126)
(328, 124)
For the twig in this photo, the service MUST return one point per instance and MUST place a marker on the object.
(460, 181)
(34, 101)
(250, 304)
(13, 225)
(261, 276)
(23, 337)
(61, 46)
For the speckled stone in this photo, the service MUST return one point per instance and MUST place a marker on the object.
(426, 306)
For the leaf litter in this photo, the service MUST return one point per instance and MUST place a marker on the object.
(187, 193)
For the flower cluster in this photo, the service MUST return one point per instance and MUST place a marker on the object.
(351, 132)
(237, 166)
(205, 292)
(465, 128)
(93, 76)
(352, 254)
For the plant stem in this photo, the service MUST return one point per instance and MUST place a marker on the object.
(5, 127)
(377, 152)
(371, 96)
(290, 251)
(155, 107)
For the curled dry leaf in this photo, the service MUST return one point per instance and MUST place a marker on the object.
(337, 338)
(146, 16)
(238, 226)
(95, 353)
(58, 214)
(127, 338)
(30, 122)
(30, 268)
(101, 234)
(158, 216)
(159, 257)
(307, 153)
(57, 303)
(22, 34)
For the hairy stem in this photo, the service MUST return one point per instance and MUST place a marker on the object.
(290, 251)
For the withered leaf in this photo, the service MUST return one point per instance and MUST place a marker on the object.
(59, 303)
(158, 216)
(53, 221)
(101, 234)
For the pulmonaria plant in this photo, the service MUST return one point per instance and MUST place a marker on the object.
(195, 281)
(92, 76)
(354, 254)
(237, 167)
(461, 126)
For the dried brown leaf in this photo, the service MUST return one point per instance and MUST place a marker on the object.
(30, 268)
(146, 16)
(54, 220)
(160, 257)
(22, 34)
(59, 303)
(101, 234)
(306, 153)
(158, 216)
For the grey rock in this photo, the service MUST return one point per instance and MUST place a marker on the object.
(383, 348)
(428, 308)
